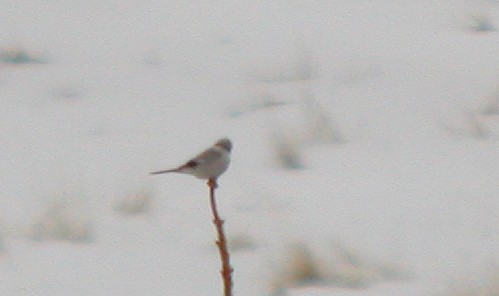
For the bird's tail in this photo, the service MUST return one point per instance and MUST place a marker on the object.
(165, 171)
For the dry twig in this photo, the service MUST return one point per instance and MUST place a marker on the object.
(221, 242)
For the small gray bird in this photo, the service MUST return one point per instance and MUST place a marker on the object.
(209, 164)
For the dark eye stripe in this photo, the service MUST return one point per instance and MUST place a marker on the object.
(192, 164)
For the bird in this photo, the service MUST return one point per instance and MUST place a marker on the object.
(209, 164)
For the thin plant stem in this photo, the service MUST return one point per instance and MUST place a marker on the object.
(221, 242)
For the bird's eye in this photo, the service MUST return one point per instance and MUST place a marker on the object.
(192, 164)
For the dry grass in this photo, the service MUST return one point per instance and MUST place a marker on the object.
(470, 125)
(481, 23)
(64, 219)
(135, 203)
(345, 267)
(288, 152)
(18, 55)
(320, 126)
(241, 242)
(300, 267)
(353, 269)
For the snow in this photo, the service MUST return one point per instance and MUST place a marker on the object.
(130, 87)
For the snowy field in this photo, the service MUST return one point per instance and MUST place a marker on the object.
(365, 161)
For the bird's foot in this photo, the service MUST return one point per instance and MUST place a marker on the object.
(212, 183)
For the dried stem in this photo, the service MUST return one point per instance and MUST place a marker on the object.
(221, 242)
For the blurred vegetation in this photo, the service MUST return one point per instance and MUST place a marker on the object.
(342, 267)
(18, 55)
(64, 219)
(135, 203)
(488, 285)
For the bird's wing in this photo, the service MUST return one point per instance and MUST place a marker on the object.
(207, 156)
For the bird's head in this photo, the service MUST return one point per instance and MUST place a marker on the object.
(224, 143)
